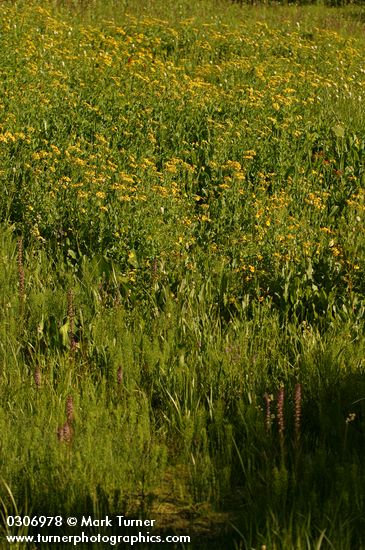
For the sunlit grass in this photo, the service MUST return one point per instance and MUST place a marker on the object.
(182, 234)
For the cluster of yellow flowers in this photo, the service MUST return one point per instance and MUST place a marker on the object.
(187, 135)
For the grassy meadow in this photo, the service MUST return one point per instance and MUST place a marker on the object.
(182, 269)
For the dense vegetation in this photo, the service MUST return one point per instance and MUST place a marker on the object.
(182, 268)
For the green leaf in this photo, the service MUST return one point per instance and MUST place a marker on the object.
(339, 131)
(64, 330)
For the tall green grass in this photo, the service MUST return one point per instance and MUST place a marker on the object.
(182, 247)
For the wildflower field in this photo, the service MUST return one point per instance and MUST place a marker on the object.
(182, 269)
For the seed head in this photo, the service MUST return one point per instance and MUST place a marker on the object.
(37, 377)
(65, 433)
(267, 412)
(297, 411)
(70, 409)
(120, 376)
(281, 423)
